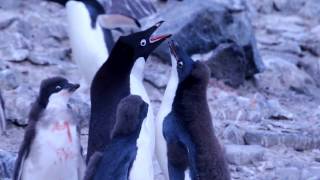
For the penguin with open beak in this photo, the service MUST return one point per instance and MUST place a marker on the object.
(89, 29)
(185, 141)
(51, 147)
(120, 76)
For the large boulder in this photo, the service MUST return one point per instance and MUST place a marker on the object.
(136, 8)
(200, 26)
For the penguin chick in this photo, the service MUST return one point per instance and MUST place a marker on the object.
(3, 124)
(89, 30)
(189, 125)
(117, 159)
(51, 147)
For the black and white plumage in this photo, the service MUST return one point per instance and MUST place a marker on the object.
(120, 76)
(186, 144)
(89, 30)
(51, 147)
(3, 123)
(115, 162)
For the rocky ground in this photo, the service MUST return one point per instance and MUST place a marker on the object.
(267, 117)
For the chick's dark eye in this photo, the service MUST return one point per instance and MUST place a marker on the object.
(180, 64)
(143, 42)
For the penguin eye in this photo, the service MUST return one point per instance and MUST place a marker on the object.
(58, 87)
(180, 64)
(143, 42)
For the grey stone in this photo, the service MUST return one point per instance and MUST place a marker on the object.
(243, 154)
(13, 46)
(10, 79)
(81, 110)
(292, 140)
(19, 104)
(311, 9)
(137, 8)
(205, 26)
(48, 57)
(233, 134)
(152, 70)
(228, 63)
(7, 161)
(282, 76)
(289, 173)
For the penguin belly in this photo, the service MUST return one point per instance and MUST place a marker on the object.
(55, 154)
(89, 50)
(142, 168)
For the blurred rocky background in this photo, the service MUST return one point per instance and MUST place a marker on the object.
(265, 88)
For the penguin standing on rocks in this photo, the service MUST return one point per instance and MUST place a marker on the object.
(51, 147)
(115, 162)
(120, 76)
(185, 141)
(90, 35)
(3, 124)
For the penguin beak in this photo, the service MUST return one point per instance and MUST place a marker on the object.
(157, 38)
(73, 87)
(174, 49)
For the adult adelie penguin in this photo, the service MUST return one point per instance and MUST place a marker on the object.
(116, 160)
(51, 147)
(89, 32)
(119, 76)
(186, 144)
(3, 124)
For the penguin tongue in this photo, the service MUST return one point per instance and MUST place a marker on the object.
(157, 38)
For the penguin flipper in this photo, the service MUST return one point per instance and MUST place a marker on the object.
(92, 165)
(24, 151)
(116, 21)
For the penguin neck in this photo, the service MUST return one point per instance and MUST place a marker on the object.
(138, 67)
(189, 91)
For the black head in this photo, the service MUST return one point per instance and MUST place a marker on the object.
(61, 2)
(131, 112)
(183, 61)
(143, 43)
(55, 85)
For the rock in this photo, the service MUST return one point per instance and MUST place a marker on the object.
(19, 104)
(292, 140)
(8, 4)
(242, 154)
(228, 63)
(311, 9)
(233, 134)
(289, 173)
(282, 76)
(13, 46)
(6, 19)
(152, 70)
(48, 57)
(10, 79)
(205, 26)
(137, 8)
(312, 173)
(7, 161)
(81, 110)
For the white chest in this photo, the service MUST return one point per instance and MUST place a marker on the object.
(55, 153)
(89, 50)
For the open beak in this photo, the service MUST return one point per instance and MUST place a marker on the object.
(174, 49)
(156, 38)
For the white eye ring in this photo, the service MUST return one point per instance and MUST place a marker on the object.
(58, 87)
(143, 42)
(180, 64)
